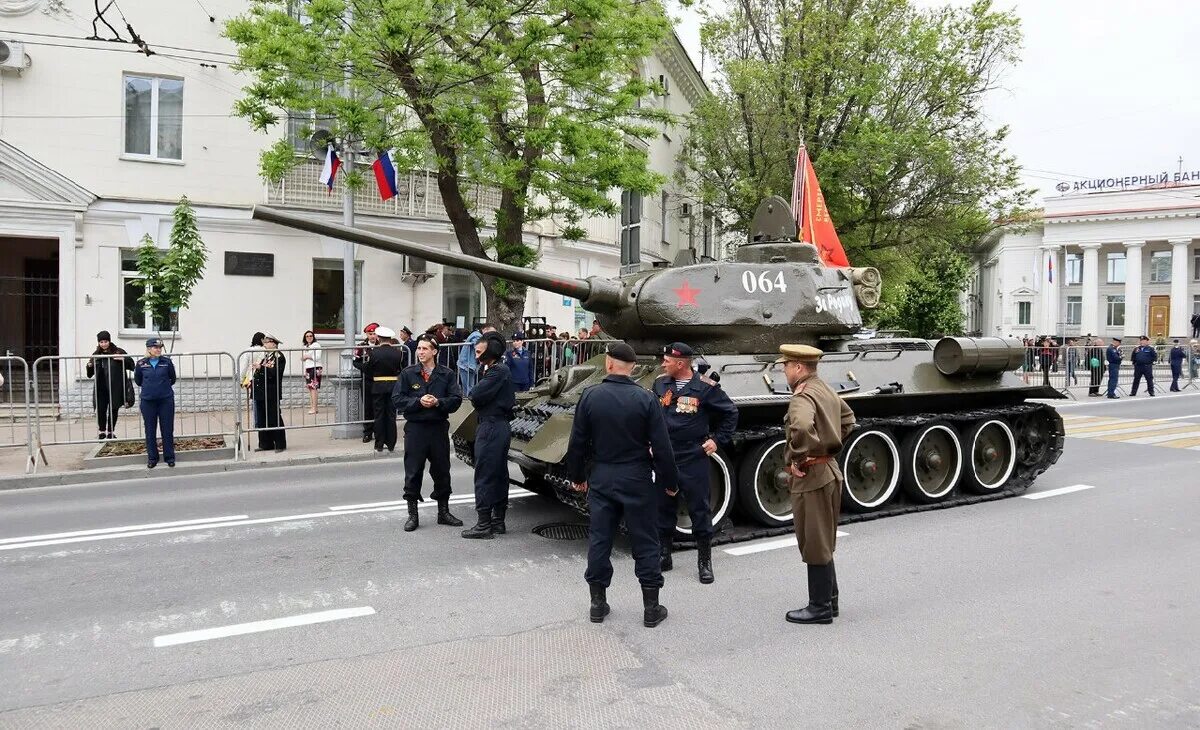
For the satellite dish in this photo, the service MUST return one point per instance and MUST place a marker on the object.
(318, 143)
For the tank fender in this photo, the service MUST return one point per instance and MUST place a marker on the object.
(550, 442)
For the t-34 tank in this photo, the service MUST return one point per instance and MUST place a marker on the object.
(938, 423)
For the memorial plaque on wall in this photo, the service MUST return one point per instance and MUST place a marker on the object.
(240, 263)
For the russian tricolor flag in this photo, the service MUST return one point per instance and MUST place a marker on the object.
(385, 176)
(332, 164)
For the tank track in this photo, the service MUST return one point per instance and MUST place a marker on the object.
(727, 533)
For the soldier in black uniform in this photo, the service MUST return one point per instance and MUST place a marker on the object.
(699, 416)
(383, 370)
(426, 395)
(493, 396)
(362, 356)
(619, 426)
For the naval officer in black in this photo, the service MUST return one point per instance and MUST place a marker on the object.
(493, 397)
(426, 395)
(382, 369)
(619, 427)
(699, 417)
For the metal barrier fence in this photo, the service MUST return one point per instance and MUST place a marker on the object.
(16, 419)
(79, 399)
(1069, 370)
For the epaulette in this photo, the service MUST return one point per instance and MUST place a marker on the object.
(707, 380)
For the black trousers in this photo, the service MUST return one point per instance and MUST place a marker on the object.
(368, 401)
(1094, 383)
(427, 441)
(106, 410)
(1176, 372)
(491, 462)
(270, 420)
(1139, 372)
(616, 492)
(385, 418)
(694, 489)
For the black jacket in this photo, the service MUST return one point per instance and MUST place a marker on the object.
(268, 381)
(443, 385)
(110, 375)
(619, 423)
(383, 368)
(494, 394)
(698, 411)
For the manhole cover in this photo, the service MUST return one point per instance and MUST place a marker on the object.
(562, 531)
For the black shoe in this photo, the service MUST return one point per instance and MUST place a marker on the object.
(820, 598)
(378, 449)
(498, 525)
(280, 449)
(262, 448)
(368, 438)
(599, 604)
(655, 612)
(111, 435)
(665, 563)
(413, 521)
(101, 436)
(1151, 395)
(444, 516)
(171, 464)
(1112, 397)
(151, 464)
(704, 559)
(391, 448)
(482, 529)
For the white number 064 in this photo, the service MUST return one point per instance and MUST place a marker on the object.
(766, 282)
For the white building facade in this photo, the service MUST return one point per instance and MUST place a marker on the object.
(1121, 263)
(99, 142)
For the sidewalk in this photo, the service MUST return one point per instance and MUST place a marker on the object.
(305, 446)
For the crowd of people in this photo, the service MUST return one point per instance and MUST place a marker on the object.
(1090, 357)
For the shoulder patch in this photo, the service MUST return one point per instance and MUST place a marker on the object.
(707, 380)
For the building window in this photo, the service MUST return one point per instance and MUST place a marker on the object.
(154, 117)
(329, 296)
(1160, 267)
(1116, 311)
(663, 214)
(706, 236)
(135, 317)
(631, 227)
(1024, 312)
(1074, 310)
(1116, 268)
(461, 297)
(1074, 268)
(1196, 266)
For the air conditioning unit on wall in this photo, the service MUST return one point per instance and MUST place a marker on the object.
(416, 270)
(12, 56)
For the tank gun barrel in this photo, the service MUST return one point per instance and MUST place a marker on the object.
(580, 289)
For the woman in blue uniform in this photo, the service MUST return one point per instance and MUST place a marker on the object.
(155, 375)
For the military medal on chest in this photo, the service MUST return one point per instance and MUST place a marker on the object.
(687, 404)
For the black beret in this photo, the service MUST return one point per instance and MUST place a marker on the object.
(678, 349)
(621, 351)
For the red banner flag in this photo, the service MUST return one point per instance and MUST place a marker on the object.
(812, 217)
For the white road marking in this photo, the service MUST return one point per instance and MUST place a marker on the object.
(1092, 402)
(1113, 429)
(1180, 418)
(459, 499)
(127, 528)
(220, 632)
(762, 547)
(1161, 437)
(1060, 490)
(191, 528)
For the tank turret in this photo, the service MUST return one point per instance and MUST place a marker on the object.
(774, 290)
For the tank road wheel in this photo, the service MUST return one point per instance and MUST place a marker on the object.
(933, 461)
(1033, 437)
(720, 495)
(871, 465)
(993, 450)
(763, 482)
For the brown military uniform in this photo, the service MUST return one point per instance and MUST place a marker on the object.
(817, 421)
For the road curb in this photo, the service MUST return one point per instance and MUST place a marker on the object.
(115, 474)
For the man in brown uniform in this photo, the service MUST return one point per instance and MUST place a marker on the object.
(817, 421)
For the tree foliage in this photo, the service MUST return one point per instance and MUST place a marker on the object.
(888, 99)
(928, 304)
(170, 276)
(534, 99)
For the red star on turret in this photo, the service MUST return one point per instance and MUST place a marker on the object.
(686, 294)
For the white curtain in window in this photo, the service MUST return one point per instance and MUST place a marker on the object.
(170, 119)
(138, 93)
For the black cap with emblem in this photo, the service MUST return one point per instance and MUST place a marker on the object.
(678, 349)
(621, 351)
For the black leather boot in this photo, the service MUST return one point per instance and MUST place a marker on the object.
(820, 596)
(834, 595)
(704, 559)
(655, 612)
(599, 604)
(413, 521)
(482, 529)
(664, 553)
(498, 525)
(444, 516)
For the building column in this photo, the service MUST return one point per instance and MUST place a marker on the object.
(1050, 318)
(1135, 325)
(1089, 315)
(1181, 306)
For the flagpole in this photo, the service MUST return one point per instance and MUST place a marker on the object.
(348, 406)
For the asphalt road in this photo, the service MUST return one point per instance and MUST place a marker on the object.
(1080, 609)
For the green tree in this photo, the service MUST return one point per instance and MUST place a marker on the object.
(170, 276)
(929, 304)
(888, 99)
(534, 99)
